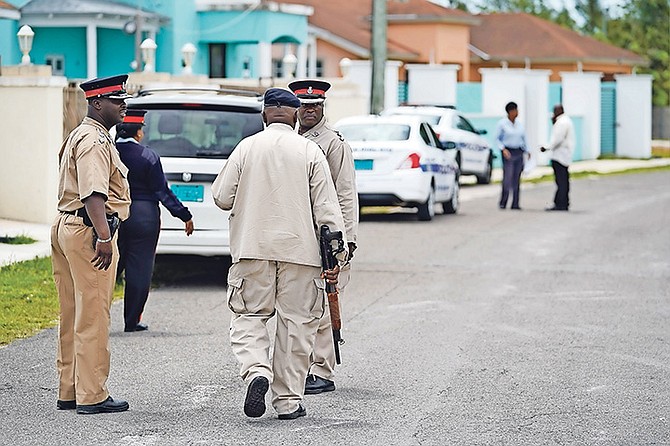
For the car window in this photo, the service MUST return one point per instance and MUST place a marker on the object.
(464, 124)
(198, 133)
(423, 131)
(435, 141)
(374, 132)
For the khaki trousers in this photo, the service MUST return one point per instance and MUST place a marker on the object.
(322, 359)
(85, 296)
(256, 290)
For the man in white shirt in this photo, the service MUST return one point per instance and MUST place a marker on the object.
(278, 188)
(561, 146)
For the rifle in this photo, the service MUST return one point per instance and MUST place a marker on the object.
(328, 261)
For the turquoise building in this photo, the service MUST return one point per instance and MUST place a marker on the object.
(82, 39)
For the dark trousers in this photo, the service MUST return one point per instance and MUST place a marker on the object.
(562, 177)
(138, 237)
(512, 169)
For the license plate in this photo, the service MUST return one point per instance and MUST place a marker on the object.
(189, 192)
(363, 164)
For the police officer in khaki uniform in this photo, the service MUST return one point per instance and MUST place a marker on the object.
(313, 126)
(92, 189)
(278, 188)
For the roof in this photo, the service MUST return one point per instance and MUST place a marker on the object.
(516, 36)
(346, 23)
(81, 7)
(8, 11)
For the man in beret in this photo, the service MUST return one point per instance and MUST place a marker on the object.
(314, 126)
(278, 189)
(93, 194)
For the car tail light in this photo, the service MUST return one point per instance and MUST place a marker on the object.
(413, 161)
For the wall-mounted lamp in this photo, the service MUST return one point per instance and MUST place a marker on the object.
(289, 64)
(345, 66)
(25, 35)
(188, 53)
(148, 48)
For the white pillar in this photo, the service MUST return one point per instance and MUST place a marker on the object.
(264, 59)
(311, 61)
(91, 51)
(633, 115)
(581, 96)
(360, 74)
(301, 70)
(537, 114)
(432, 83)
(500, 86)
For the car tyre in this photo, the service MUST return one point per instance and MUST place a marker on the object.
(486, 178)
(451, 206)
(426, 211)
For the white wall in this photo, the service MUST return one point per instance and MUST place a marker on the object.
(432, 84)
(360, 73)
(633, 115)
(581, 96)
(31, 125)
(530, 90)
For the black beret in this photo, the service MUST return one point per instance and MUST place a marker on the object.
(279, 97)
(112, 87)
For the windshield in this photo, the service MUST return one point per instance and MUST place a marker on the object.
(375, 132)
(189, 133)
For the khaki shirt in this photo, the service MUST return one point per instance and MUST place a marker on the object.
(341, 162)
(278, 188)
(89, 163)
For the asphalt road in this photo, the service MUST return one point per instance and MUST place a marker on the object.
(485, 328)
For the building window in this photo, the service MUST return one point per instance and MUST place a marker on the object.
(57, 63)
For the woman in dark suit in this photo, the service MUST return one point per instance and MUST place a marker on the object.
(138, 235)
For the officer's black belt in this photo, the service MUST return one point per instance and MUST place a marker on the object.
(81, 212)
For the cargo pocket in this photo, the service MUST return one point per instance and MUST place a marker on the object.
(318, 306)
(235, 299)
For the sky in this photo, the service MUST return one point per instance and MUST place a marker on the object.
(612, 5)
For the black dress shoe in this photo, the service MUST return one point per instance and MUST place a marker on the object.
(299, 412)
(555, 208)
(139, 327)
(516, 208)
(315, 384)
(66, 404)
(254, 403)
(107, 406)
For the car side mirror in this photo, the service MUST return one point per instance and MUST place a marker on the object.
(481, 132)
(449, 145)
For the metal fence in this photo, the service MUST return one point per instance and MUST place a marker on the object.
(660, 123)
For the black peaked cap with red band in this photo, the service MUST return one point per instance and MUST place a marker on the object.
(134, 116)
(310, 91)
(112, 87)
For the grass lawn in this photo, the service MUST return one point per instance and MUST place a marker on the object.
(28, 299)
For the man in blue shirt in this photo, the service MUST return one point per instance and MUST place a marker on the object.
(511, 139)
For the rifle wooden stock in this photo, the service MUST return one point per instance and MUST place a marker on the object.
(328, 261)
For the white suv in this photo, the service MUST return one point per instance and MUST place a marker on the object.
(194, 131)
(475, 156)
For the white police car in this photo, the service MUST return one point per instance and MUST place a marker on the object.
(400, 162)
(194, 131)
(475, 152)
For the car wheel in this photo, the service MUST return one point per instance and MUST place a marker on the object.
(451, 206)
(486, 178)
(426, 211)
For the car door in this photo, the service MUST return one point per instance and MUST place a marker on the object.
(474, 149)
(437, 162)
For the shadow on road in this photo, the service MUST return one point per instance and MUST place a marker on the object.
(190, 270)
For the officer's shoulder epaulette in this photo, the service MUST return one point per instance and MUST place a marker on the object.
(339, 135)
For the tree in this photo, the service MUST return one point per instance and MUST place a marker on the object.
(644, 28)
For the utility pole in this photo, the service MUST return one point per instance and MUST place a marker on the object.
(378, 50)
(138, 40)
